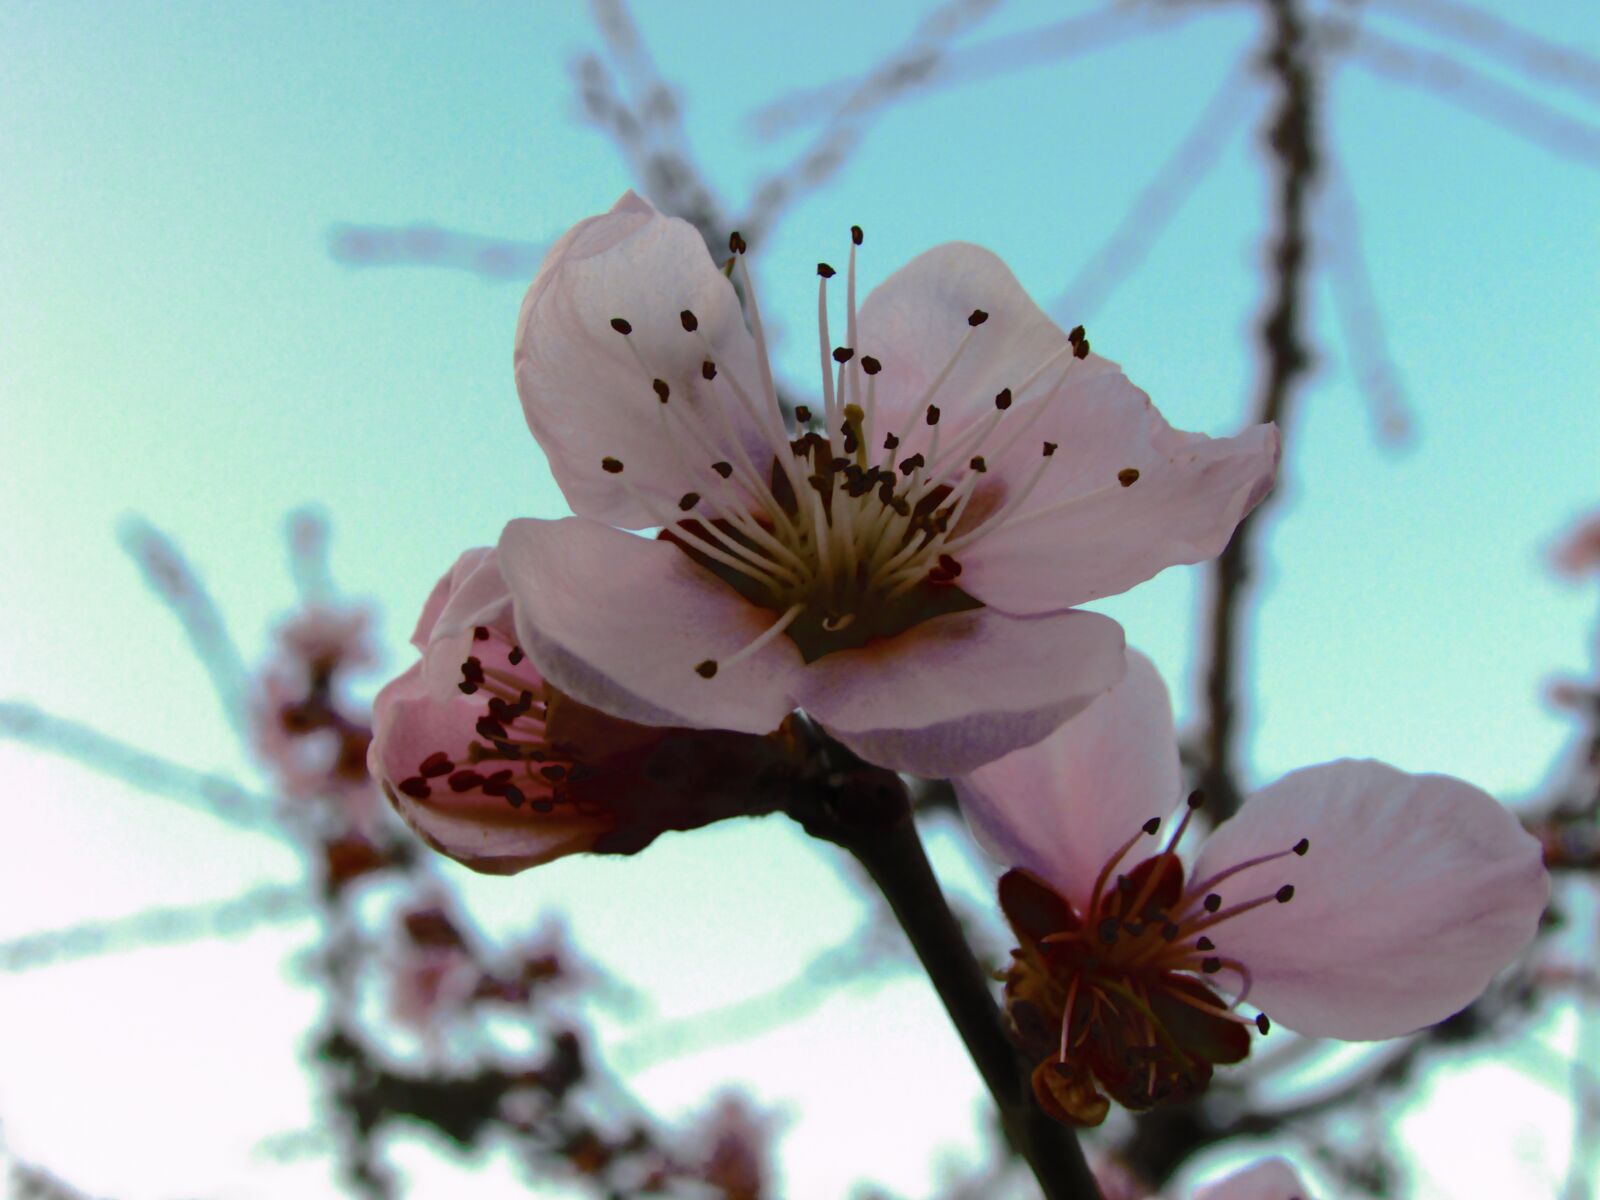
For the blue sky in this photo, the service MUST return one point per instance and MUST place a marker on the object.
(177, 341)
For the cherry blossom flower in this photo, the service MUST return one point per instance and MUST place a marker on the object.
(1576, 553)
(1350, 900)
(1269, 1179)
(904, 561)
(494, 767)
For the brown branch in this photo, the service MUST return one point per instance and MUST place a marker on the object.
(1290, 137)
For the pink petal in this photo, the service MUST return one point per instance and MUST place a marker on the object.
(1269, 1179)
(485, 832)
(962, 689)
(914, 320)
(1080, 534)
(620, 622)
(470, 593)
(586, 396)
(1416, 890)
(1063, 807)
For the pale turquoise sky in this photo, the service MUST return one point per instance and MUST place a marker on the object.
(176, 341)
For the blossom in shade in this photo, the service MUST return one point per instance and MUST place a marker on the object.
(902, 559)
(1349, 900)
(491, 765)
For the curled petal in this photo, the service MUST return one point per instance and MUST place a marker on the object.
(1122, 497)
(960, 690)
(590, 392)
(916, 319)
(1269, 1179)
(1415, 891)
(622, 623)
(481, 831)
(471, 585)
(1062, 808)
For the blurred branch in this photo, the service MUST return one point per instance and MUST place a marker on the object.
(1291, 140)
(1474, 91)
(168, 573)
(431, 246)
(1142, 224)
(214, 794)
(272, 904)
(1543, 61)
(1356, 307)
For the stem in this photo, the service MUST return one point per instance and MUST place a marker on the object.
(866, 810)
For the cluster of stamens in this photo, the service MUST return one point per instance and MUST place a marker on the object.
(841, 536)
(513, 761)
(1130, 977)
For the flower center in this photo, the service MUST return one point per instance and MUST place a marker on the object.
(840, 526)
(1117, 997)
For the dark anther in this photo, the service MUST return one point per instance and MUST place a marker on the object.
(1128, 476)
(436, 764)
(621, 326)
(826, 271)
(690, 321)
(465, 781)
(1002, 399)
(890, 442)
(949, 565)
(611, 466)
(1150, 826)
(870, 365)
(467, 689)
(663, 392)
(802, 414)
(1264, 1025)
(555, 772)
(977, 464)
(1081, 350)
(491, 729)
(688, 500)
(1169, 932)
(933, 414)
(1284, 894)
(1211, 965)
(1213, 902)
(416, 787)
(496, 784)
(1196, 799)
(706, 669)
(472, 671)
(843, 354)
(1204, 943)
(1049, 449)
(855, 234)
(513, 796)
(977, 318)
(480, 634)
(1302, 846)
(708, 370)
(908, 465)
(1108, 930)
(515, 656)
(736, 242)
(1076, 335)
(725, 469)
(544, 806)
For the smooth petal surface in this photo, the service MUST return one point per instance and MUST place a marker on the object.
(960, 690)
(449, 583)
(587, 390)
(1063, 807)
(1416, 890)
(1269, 1179)
(483, 832)
(1081, 534)
(619, 622)
(914, 321)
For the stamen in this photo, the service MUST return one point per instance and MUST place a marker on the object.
(708, 668)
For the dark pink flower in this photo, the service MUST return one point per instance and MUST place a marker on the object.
(1349, 900)
(904, 563)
